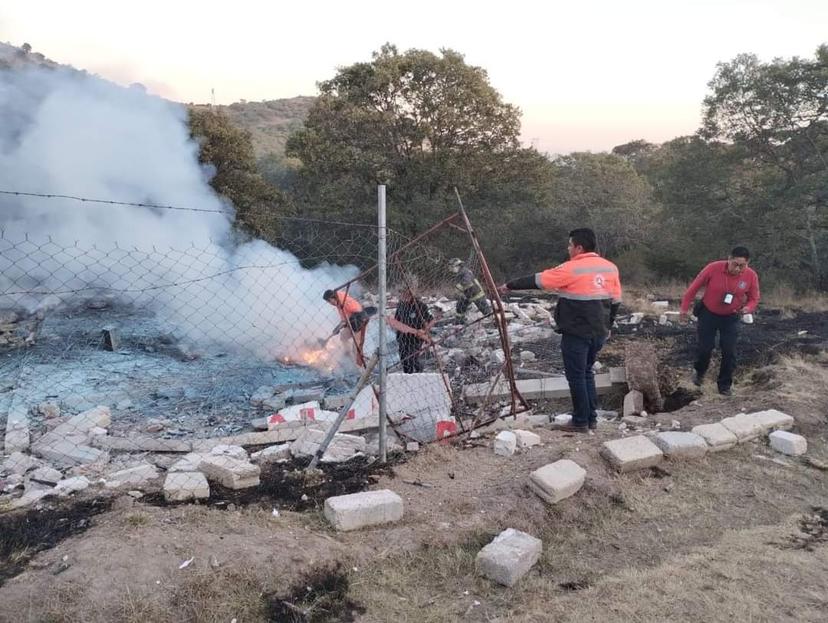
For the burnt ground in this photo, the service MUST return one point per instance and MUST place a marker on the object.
(733, 511)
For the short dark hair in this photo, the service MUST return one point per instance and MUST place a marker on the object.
(328, 294)
(583, 237)
(740, 252)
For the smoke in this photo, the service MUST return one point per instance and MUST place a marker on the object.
(70, 133)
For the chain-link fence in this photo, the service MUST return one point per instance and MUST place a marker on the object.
(184, 368)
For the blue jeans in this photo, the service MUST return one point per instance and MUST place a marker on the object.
(579, 354)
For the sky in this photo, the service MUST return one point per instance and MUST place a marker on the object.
(587, 76)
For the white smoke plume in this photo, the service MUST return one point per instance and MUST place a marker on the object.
(68, 133)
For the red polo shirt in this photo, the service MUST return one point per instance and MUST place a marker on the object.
(717, 282)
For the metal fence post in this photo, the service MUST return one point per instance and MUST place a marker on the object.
(383, 361)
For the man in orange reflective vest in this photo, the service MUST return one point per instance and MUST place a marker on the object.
(354, 321)
(589, 295)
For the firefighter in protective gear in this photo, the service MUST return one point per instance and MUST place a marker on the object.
(469, 291)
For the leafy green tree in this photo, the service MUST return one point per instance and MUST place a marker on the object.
(229, 151)
(778, 113)
(419, 122)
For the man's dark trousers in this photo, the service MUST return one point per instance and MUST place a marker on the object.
(579, 354)
(728, 330)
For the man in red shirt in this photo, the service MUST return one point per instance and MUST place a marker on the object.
(731, 289)
(354, 321)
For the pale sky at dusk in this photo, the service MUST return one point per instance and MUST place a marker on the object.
(586, 76)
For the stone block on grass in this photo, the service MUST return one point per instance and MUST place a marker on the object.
(771, 420)
(361, 510)
(557, 481)
(788, 443)
(679, 445)
(745, 427)
(717, 436)
(508, 557)
(631, 453)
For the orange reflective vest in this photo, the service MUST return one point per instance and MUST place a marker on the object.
(589, 294)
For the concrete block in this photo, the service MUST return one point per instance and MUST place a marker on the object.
(788, 443)
(19, 463)
(563, 418)
(508, 557)
(771, 419)
(188, 463)
(99, 416)
(412, 446)
(67, 453)
(111, 338)
(631, 453)
(717, 436)
(132, 478)
(342, 447)
(271, 454)
(229, 472)
(420, 405)
(237, 452)
(46, 475)
(261, 394)
(678, 445)
(71, 485)
(744, 427)
(557, 481)
(505, 443)
(182, 486)
(526, 439)
(635, 420)
(633, 403)
(360, 510)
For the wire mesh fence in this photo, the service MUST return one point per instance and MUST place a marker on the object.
(184, 368)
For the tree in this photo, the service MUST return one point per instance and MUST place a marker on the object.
(778, 113)
(419, 122)
(229, 151)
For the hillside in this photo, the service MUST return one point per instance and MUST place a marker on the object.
(13, 57)
(269, 122)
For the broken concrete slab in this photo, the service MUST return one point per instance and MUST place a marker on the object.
(361, 510)
(111, 338)
(307, 394)
(526, 439)
(229, 472)
(635, 420)
(69, 486)
(68, 452)
(557, 481)
(183, 486)
(788, 443)
(275, 402)
(508, 557)
(19, 463)
(631, 453)
(140, 443)
(46, 475)
(188, 463)
(420, 405)
(536, 389)
(99, 416)
(261, 394)
(771, 419)
(272, 454)
(237, 452)
(744, 427)
(17, 436)
(342, 447)
(285, 432)
(132, 478)
(679, 445)
(505, 443)
(717, 436)
(633, 403)
(29, 497)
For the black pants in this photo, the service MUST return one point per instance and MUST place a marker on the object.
(409, 347)
(728, 329)
(482, 304)
(579, 354)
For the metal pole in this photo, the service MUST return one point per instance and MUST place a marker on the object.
(363, 381)
(381, 277)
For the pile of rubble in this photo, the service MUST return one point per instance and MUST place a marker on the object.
(18, 328)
